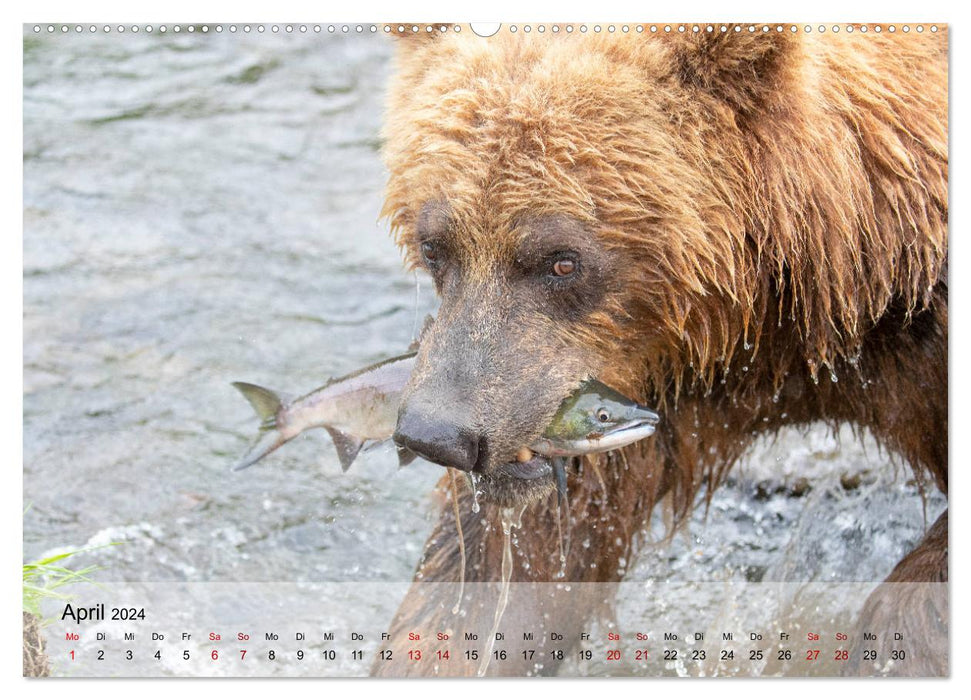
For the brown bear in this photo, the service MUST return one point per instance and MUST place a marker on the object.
(744, 228)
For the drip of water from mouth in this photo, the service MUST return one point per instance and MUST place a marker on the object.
(414, 329)
(473, 483)
(599, 475)
(510, 519)
(458, 526)
(562, 504)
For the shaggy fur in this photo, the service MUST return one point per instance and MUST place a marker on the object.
(774, 210)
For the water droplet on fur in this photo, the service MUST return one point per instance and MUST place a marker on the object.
(745, 368)
(832, 377)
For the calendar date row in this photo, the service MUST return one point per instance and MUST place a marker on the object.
(444, 655)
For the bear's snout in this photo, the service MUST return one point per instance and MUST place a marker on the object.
(437, 438)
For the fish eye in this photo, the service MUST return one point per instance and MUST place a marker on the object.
(603, 415)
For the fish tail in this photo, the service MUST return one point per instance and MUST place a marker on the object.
(265, 444)
(267, 405)
(265, 402)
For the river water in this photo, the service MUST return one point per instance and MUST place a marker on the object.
(200, 209)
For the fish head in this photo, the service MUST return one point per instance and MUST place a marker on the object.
(597, 418)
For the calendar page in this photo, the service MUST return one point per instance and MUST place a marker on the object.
(450, 350)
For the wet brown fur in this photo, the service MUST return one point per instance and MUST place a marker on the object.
(776, 209)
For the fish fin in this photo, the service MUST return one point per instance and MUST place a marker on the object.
(265, 402)
(405, 457)
(347, 446)
(267, 441)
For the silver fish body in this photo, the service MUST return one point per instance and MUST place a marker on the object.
(356, 408)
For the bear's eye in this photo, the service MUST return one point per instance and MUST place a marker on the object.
(430, 253)
(564, 268)
(603, 415)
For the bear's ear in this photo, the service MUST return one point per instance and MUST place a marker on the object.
(741, 67)
(411, 31)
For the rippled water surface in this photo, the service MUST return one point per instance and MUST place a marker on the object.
(200, 210)
(203, 209)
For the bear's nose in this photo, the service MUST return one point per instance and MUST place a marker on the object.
(437, 439)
